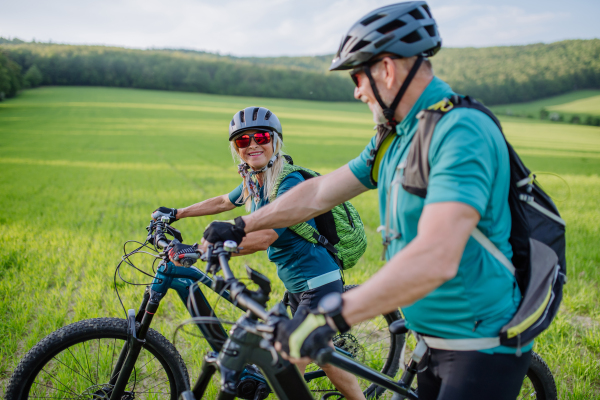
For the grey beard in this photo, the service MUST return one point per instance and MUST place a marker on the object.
(378, 116)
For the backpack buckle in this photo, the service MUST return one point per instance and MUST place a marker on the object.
(323, 240)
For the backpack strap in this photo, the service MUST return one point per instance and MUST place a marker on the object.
(492, 249)
(325, 221)
(416, 172)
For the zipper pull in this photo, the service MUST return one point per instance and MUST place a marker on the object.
(476, 324)
(518, 353)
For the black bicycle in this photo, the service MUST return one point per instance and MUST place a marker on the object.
(113, 358)
(251, 341)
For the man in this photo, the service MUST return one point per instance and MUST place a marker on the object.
(447, 284)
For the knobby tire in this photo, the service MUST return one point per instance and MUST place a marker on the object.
(70, 350)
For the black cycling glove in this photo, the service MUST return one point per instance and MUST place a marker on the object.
(220, 231)
(165, 212)
(304, 335)
(180, 250)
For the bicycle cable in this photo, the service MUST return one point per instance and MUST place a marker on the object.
(125, 259)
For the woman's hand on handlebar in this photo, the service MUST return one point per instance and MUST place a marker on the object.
(180, 251)
(171, 213)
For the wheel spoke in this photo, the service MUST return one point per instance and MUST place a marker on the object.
(59, 381)
(149, 375)
(49, 387)
(98, 361)
(85, 353)
(92, 382)
(160, 383)
(78, 363)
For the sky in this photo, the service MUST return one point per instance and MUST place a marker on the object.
(283, 27)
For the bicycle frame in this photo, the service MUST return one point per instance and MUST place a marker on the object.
(249, 343)
(181, 279)
(281, 376)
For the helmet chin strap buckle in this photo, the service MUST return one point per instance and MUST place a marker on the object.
(272, 161)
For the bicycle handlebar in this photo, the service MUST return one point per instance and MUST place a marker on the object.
(161, 239)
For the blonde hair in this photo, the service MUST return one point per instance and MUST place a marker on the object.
(269, 176)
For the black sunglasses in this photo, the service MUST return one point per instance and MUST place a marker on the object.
(354, 73)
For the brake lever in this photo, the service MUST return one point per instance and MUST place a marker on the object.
(174, 232)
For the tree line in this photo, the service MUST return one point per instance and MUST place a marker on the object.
(173, 70)
(495, 75)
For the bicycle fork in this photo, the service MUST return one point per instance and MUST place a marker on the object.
(135, 341)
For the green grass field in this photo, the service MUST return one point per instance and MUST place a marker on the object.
(83, 168)
(581, 102)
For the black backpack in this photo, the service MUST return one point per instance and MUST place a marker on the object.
(537, 234)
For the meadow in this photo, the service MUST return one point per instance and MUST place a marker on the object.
(83, 168)
(579, 102)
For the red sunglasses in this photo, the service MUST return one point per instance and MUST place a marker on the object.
(260, 138)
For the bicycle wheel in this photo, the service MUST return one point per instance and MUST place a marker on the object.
(538, 383)
(76, 362)
(370, 343)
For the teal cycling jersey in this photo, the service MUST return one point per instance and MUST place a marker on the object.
(469, 163)
(297, 260)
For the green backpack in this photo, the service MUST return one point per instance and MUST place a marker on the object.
(340, 230)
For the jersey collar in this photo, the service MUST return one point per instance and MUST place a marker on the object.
(434, 92)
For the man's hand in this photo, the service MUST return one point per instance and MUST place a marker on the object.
(220, 231)
(304, 335)
(165, 212)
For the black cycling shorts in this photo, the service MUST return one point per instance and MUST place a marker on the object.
(465, 375)
(310, 298)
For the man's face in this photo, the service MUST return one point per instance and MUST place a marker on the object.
(364, 93)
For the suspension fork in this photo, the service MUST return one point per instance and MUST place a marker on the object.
(138, 318)
(135, 341)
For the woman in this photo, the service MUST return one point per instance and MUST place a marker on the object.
(308, 271)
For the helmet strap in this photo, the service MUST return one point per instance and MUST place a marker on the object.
(388, 112)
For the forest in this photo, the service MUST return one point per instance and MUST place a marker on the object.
(495, 75)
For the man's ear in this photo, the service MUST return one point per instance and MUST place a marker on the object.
(390, 72)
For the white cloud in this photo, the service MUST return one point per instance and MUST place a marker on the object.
(258, 27)
(487, 25)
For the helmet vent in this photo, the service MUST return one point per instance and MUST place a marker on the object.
(431, 30)
(268, 115)
(383, 41)
(371, 19)
(359, 45)
(426, 8)
(392, 26)
(255, 114)
(344, 42)
(411, 37)
(416, 14)
(233, 122)
(242, 116)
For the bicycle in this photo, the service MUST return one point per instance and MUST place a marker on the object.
(251, 341)
(102, 357)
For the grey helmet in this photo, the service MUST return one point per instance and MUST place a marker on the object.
(405, 29)
(254, 118)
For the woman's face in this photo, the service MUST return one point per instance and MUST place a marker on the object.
(255, 155)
